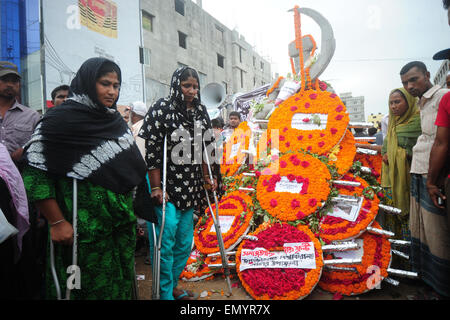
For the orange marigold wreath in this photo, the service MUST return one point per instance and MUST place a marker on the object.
(377, 252)
(343, 155)
(232, 161)
(335, 228)
(196, 268)
(306, 171)
(312, 102)
(280, 283)
(237, 204)
(373, 162)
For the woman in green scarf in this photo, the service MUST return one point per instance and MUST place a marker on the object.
(403, 131)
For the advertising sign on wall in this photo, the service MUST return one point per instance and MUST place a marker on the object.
(76, 30)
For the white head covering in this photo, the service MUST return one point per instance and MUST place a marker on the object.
(139, 108)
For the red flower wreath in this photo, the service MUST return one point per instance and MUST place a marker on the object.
(279, 283)
(235, 204)
(377, 254)
(335, 228)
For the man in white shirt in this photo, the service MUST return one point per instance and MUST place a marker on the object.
(430, 234)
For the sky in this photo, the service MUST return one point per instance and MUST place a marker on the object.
(374, 38)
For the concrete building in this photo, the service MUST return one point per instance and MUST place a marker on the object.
(355, 106)
(441, 74)
(180, 32)
(375, 119)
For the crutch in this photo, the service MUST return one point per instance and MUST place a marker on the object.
(226, 267)
(158, 242)
(74, 247)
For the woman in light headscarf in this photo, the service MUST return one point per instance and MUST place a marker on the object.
(184, 120)
(403, 131)
(86, 138)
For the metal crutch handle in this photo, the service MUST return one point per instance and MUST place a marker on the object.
(157, 242)
(217, 225)
(74, 245)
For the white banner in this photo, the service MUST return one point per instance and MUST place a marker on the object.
(295, 256)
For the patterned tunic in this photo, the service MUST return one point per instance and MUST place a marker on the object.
(106, 236)
(184, 150)
(185, 130)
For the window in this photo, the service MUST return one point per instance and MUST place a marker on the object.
(179, 6)
(262, 66)
(182, 39)
(225, 85)
(242, 78)
(203, 78)
(147, 21)
(146, 56)
(240, 54)
(254, 61)
(220, 60)
(219, 33)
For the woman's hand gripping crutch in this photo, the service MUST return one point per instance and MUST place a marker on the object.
(157, 241)
(215, 217)
(74, 270)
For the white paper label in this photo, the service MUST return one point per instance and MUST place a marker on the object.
(347, 210)
(288, 89)
(225, 224)
(352, 254)
(305, 121)
(295, 256)
(234, 150)
(288, 186)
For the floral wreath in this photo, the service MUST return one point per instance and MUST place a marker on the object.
(377, 252)
(318, 141)
(343, 155)
(196, 268)
(297, 168)
(373, 162)
(237, 204)
(280, 283)
(335, 228)
(232, 162)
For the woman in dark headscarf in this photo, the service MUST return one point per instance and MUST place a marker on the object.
(184, 120)
(86, 138)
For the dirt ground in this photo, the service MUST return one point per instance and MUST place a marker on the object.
(216, 289)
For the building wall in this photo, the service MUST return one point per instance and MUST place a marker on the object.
(355, 106)
(206, 39)
(441, 74)
(20, 44)
(375, 118)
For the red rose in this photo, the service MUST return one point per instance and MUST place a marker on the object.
(312, 202)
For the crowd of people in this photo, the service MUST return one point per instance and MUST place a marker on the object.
(88, 154)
